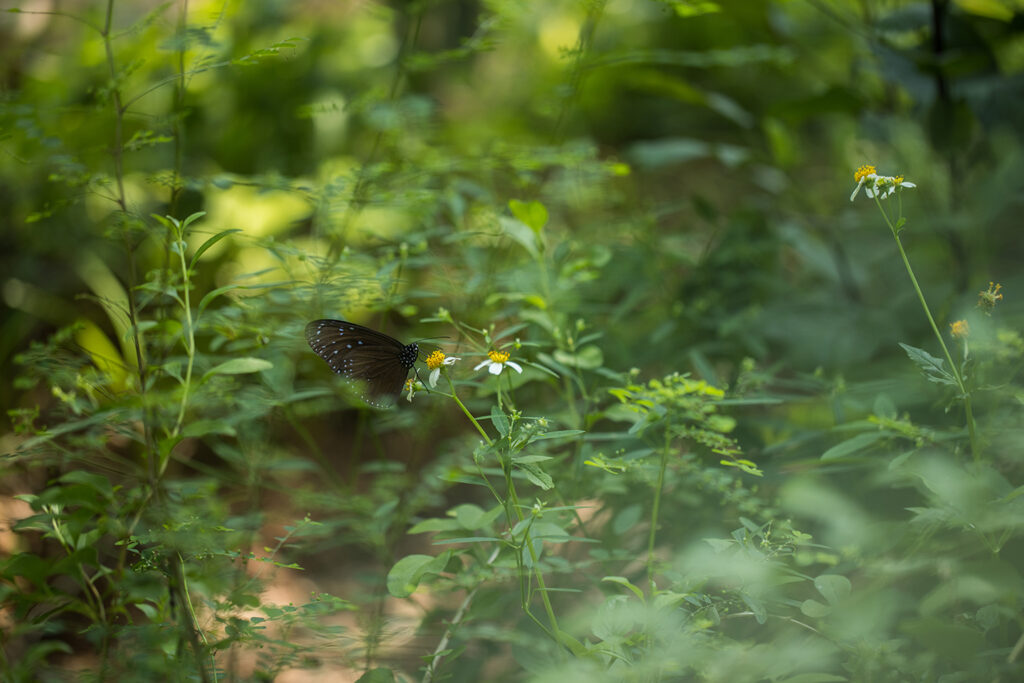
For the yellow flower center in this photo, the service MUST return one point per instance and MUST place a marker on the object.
(960, 329)
(863, 172)
(498, 356)
(898, 180)
(435, 360)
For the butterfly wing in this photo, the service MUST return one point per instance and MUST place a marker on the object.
(376, 363)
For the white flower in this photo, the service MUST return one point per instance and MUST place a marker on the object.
(496, 362)
(435, 362)
(881, 186)
(410, 388)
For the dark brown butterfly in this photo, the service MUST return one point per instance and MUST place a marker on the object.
(376, 363)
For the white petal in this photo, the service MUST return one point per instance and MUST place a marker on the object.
(481, 365)
(515, 366)
(495, 368)
(906, 184)
(450, 360)
(857, 189)
(434, 374)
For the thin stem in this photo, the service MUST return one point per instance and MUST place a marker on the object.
(193, 630)
(954, 368)
(465, 410)
(657, 506)
(189, 337)
(437, 656)
(513, 502)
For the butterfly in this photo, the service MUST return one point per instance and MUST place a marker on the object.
(376, 363)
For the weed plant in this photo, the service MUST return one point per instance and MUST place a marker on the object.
(660, 430)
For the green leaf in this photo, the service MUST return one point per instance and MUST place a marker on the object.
(534, 214)
(933, 368)
(210, 296)
(405, 576)
(530, 459)
(469, 539)
(204, 427)
(209, 243)
(239, 366)
(558, 434)
(97, 482)
(434, 524)
(468, 515)
(536, 475)
(756, 606)
(814, 677)
(521, 233)
(623, 581)
(587, 358)
(853, 445)
(834, 587)
(576, 647)
(499, 421)
(379, 675)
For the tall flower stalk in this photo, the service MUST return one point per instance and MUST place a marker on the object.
(879, 188)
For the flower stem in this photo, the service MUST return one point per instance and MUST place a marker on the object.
(512, 501)
(961, 385)
(465, 410)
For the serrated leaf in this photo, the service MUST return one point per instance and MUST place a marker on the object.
(536, 475)
(934, 369)
(499, 421)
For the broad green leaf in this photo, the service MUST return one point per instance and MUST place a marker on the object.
(379, 675)
(623, 581)
(468, 515)
(405, 576)
(93, 481)
(834, 587)
(521, 233)
(204, 427)
(534, 214)
(239, 366)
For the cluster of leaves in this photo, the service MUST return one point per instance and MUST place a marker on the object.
(665, 492)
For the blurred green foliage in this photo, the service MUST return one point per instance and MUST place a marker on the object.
(717, 462)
